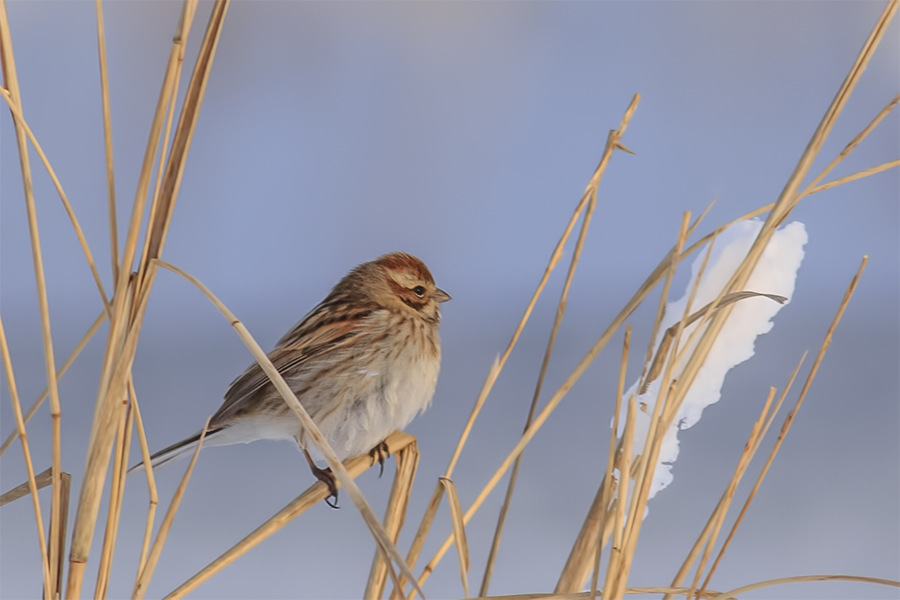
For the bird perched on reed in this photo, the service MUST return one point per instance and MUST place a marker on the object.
(363, 363)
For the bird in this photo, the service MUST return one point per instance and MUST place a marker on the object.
(363, 363)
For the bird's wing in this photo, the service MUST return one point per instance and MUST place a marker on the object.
(319, 335)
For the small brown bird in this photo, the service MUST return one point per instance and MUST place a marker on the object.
(363, 363)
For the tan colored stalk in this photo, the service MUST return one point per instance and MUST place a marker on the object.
(701, 539)
(587, 595)
(718, 515)
(41, 480)
(647, 464)
(851, 145)
(151, 481)
(117, 491)
(11, 83)
(624, 465)
(124, 330)
(65, 492)
(140, 588)
(108, 145)
(309, 426)
(16, 111)
(62, 371)
(605, 493)
(394, 515)
(801, 579)
(789, 419)
(855, 176)
(433, 504)
(312, 496)
(613, 141)
(26, 451)
(113, 508)
(459, 532)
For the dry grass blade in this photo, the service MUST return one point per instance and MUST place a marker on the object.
(801, 579)
(459, 532)
(851, 146)
(669, 335)
(701, 539)
(612, 143)
(20, 121)
(130, 301)
(41, 480)
(151, 481)
(65, 492)
(62, 371)
(23, 437)
(312, 496)
(587, 595)
(108, 146)
(117, 491)
(788, 421)
(555, 257)
(14, 100)
(382, 539)
(140, 588)
(718, 516)
(607, 487)
(590, 537)
(395, 515)
(855, 176)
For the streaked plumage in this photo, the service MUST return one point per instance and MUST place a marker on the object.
(363, 363)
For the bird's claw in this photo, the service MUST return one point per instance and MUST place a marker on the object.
(380, 453)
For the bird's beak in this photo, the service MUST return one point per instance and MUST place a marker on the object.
(440, 295)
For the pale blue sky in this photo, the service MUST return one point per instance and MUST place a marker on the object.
(464, 133)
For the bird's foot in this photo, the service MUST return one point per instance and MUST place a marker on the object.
(326, 477)
(380, 453)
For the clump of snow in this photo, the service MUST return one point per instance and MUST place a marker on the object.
(775, 273)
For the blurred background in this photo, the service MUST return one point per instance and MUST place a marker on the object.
(464, 133)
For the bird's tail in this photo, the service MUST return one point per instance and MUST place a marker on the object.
(179, 449)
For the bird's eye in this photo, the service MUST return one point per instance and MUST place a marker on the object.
(419, 291)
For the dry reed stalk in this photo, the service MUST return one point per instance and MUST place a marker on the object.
(113, 508)
(647, 465)
(117, 491)
(855, 176)
(394, 515)
(801, 579)
(789, 419)
(608, 485)
(26, 451)
(717, 518)
(107, 141)
(312, 496)
(132, 293)
(431, 510)
(698, 544)
(62, 371)
(433, 504)
(587, 595)
(381, 537)
(624, 465)
(852, 144)
(613, 141)
(594, 531)
(65, 492)
(151, 481)
(41, 480)
(16, 111)
(459, 532)
(11, 83)
(557, 397)
(140, 587)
